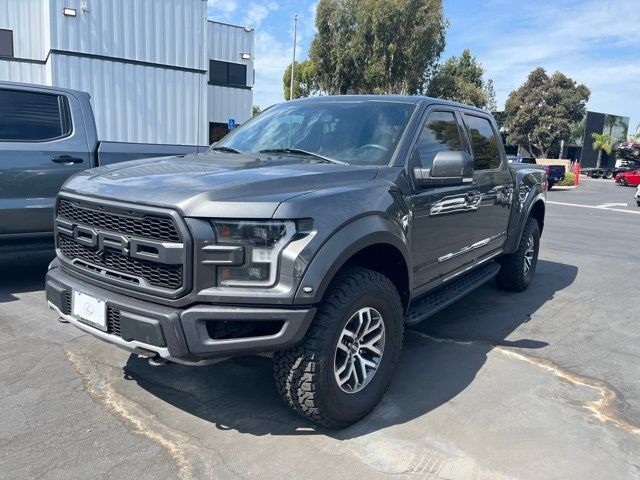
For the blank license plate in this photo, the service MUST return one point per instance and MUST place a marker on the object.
(90, 310)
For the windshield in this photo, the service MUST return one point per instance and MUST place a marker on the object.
(360, 132)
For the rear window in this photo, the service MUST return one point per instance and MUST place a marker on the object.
(484, 143)
(33, 117)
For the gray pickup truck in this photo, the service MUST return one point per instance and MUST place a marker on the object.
(316, 232)
(46, 135)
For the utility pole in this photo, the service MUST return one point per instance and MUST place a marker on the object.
(293, 63)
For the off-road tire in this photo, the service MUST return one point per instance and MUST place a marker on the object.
(511, 275)
(304, 374)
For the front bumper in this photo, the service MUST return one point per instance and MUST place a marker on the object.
(179, 335)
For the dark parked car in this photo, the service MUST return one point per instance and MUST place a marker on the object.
(630, 150)
(46, 135)
(555, 173)
(317, 231)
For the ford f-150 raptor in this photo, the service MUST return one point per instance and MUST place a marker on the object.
(316, 232)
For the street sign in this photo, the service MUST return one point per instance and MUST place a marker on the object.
(231, 124)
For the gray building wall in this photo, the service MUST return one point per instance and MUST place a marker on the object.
(144, 62)
(227, 43)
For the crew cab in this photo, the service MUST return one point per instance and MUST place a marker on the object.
(315, 232)
(47, 135)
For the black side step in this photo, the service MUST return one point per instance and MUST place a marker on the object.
(435, 301)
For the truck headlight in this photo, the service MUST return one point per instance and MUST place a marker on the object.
(262, 242)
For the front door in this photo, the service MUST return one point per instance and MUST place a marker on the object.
(39, 150)
(442, 232)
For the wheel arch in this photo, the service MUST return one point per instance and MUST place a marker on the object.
(373, 242)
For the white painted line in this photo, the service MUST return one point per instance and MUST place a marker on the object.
(609, 205)
(595, 207)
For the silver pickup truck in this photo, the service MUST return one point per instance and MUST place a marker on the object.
(46, 135)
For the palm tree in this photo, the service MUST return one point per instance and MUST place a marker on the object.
(602, 142)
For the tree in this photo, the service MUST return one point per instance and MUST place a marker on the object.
(542, 111)
(460, 79)
(602, 142)
(255, 110)
(376, 46)
(304, 80)
(490, 96)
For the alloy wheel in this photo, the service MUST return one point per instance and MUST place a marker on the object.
(529, 255)
(359, 350)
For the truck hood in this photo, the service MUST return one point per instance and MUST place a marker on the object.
(216, 184)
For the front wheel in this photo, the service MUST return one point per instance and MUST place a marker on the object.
(517, 269)
(623, 182)
(345, 363)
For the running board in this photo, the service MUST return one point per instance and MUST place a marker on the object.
(433, 302)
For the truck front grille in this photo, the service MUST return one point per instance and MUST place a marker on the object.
(157, 228)
(144, 251)
(156, 274)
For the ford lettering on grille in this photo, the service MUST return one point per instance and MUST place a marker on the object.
(142, 250)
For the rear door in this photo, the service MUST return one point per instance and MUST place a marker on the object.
(442, 232)
(40, 147)
(492, 180)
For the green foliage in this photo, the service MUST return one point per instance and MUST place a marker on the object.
(568, 180)
(255, 110)
(542, 112)
(460, 79)
(602, 142)
(376, 46)
(304, 80)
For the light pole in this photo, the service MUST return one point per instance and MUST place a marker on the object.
(293, 63)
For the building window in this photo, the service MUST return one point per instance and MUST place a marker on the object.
(6, 43)
(33, 117)
(227, 74)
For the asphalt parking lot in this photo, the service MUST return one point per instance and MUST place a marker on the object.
(542, 384)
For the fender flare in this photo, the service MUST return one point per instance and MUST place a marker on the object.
(342, 245)
(514, 238)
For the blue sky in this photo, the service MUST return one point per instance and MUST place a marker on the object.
(595, 42)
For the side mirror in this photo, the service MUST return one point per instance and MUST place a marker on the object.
(449, 168)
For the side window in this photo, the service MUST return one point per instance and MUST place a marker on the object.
(33, 117)
(483, 142)
(440, 132)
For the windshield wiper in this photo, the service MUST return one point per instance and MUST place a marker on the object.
(225, 149)
(297, 151)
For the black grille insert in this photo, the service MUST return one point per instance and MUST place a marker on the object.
(153, 227)
(121, 267)
(113, 321)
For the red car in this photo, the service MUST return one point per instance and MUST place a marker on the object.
(628, 178)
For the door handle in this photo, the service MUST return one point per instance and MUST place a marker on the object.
(67, 159)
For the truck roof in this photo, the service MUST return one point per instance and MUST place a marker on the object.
(42, 88)
(414, 99)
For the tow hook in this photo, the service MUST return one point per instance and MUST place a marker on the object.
(158, 361)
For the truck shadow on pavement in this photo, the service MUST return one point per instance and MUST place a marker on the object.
(437, 364)
(21, 273)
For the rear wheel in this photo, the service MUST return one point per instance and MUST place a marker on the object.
(345, 363)
(636, 152)
(608, 174)
(517, 269)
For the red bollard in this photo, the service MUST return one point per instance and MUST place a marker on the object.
(576, 174)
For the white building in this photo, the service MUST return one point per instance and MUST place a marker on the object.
(157, 70)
